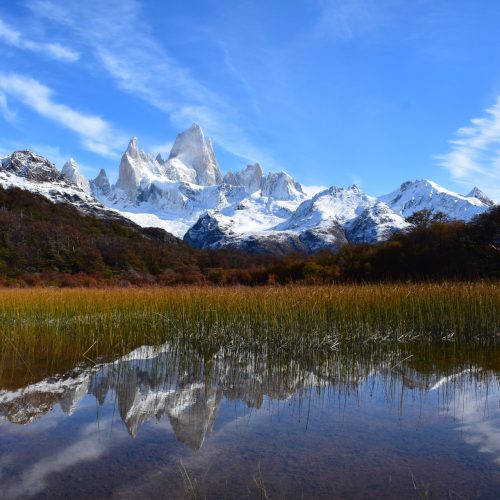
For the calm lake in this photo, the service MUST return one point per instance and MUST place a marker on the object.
(170, 423)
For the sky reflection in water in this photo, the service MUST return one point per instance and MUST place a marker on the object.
(158, 423)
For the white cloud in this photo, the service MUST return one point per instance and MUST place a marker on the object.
(96, 134)
(9, 114)
(144, 69)
(89, 446)
(53, 50)
(474, 158)
(480, 417)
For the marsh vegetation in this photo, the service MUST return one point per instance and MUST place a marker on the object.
(271, 391)
(51, 329)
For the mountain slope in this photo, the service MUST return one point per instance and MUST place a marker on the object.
(424, 194)
(187, 196)
(37, 235)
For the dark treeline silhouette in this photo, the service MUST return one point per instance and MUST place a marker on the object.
(42, 243)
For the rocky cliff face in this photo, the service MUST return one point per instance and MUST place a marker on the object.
(100, 186)
(193, 157)
(251, 178)
(136, 168)
(187, 196)
(30, 166)
(70, 172)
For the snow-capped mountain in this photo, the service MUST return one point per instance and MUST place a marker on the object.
(30, 171)
(187, 195)
(70, 171)
(192, 159)
(424, 194)
(477, 193)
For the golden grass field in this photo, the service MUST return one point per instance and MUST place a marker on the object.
(55, 327)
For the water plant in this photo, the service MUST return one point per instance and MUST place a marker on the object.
(43, 329)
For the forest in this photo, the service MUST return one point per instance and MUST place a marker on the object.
(47, 244)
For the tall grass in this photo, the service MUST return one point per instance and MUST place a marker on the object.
(44, 328)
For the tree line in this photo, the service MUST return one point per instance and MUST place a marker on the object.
(42, 243)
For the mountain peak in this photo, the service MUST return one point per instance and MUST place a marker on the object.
(195, 127)
(135, 165)
(280, 186)
(477, 193)
(70, 172)
(417, 195)
(100, 185)
(30, 165)
(251, 178)
(192, 151)
(133, 147)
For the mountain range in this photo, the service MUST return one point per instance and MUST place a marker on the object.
(188, 196)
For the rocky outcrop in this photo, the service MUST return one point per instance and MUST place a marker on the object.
(191, 151)
(136, 168)
(30, 166)
(281, 186)
(251, 178)
(100, 186)
(72, 174)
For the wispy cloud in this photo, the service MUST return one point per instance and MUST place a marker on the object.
(474, 158)
(16, 39)
(89, 446)
(95, 133)
(144, 69)
(8, 113)
(346, 19)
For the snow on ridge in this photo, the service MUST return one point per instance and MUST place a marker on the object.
(424, 194)
(176, 193)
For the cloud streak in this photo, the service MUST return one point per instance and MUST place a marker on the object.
(95, 133)
(474, 157)
(15, 39)
(347, 19)
(143, 68)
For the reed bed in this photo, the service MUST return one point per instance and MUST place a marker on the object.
(53, 326)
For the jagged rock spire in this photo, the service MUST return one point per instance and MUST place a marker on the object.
(100, 185)
(70, 172)
(193, 151)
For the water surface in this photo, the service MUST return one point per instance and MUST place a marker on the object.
(177, 423)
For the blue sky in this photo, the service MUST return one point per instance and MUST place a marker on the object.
(372, 92)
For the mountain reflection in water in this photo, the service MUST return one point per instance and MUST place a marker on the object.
(189, 388)
(155, 382)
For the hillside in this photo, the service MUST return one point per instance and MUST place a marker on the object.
(268, 213)
(46, 243)
(40, 237)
